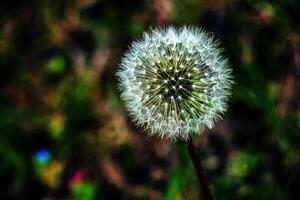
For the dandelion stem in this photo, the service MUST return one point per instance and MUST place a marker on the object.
(206, 191)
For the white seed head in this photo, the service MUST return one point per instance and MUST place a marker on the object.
(181, 90)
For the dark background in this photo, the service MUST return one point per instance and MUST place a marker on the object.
(64, 132)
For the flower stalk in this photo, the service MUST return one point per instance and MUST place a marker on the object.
(203, 181)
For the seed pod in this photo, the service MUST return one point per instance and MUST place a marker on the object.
(175, 82)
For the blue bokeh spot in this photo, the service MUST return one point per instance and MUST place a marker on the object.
(42, 156)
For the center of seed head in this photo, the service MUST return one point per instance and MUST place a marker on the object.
(174, 85)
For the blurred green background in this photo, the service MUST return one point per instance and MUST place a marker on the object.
(64, 133)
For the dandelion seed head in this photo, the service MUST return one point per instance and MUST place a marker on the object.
(175, 82)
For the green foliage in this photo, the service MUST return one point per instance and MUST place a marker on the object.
(56, 65)
(242, 164)
(84, 191)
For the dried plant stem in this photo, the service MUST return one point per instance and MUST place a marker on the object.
(206, 191)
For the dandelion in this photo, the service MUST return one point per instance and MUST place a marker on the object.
(175, 82)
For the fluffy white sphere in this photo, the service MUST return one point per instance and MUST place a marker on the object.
(175, 82)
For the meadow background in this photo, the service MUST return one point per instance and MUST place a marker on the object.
(64, 132)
